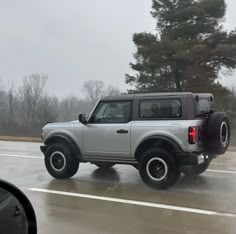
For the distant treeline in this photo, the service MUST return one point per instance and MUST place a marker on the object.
(26, 108)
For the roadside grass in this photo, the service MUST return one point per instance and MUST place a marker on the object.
(21, 139)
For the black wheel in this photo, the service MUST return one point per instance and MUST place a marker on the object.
(197, 170)
(158, 169)
(59, 162)
(217, 136)
(104, 165)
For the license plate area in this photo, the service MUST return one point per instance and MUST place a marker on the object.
(200, 159)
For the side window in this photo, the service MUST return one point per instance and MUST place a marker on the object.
(112, 112)
(160, 108)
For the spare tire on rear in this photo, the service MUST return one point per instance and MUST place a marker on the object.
(217, 136)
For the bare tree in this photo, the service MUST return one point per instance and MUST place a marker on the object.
(112, 91)
(32, 91)
(25, 109)
(94, 90)
(3, 106)
(67, 107)
(11, 102)
(71, 106)
(48, 110)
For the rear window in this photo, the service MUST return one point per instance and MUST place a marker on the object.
(203, 106)
(160, 109)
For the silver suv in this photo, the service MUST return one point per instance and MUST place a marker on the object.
(160, 134)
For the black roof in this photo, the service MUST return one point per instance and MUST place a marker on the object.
(133, 96)
(120, 97)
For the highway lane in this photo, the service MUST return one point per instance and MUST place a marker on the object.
(117, 201)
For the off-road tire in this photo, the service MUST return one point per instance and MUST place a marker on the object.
(166, 161)
(217, 137)
(70, 166)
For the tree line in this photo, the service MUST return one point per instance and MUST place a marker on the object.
(25, 109)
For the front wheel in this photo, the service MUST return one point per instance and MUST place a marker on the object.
(59, 161)
(158, 169)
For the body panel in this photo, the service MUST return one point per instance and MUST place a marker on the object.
(103, 140)
(72, 129)
(177, 131)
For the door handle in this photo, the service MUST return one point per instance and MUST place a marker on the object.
(122, 131)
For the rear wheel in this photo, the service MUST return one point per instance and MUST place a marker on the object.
(104, 165)
(59, 161)
(158, 169)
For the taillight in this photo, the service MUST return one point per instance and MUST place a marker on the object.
(192, 135)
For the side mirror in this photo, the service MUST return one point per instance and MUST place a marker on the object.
(82, 119)
(16, 212)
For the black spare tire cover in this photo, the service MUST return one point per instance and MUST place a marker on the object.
(218, 133)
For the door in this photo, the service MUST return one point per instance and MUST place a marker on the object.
(108, 130)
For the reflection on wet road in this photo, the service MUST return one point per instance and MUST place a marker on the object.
(116, 200)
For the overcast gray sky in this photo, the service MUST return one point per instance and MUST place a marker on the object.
(73, 41)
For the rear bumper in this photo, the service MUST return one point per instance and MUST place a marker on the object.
(192, 159)
(189, 161)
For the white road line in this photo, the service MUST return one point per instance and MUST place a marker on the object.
(137, 203)
(20, 156)
(216, 163)
(222, 171)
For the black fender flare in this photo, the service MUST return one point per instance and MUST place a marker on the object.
(66, 139)
(171, 144)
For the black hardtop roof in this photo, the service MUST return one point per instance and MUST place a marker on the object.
(153, 95)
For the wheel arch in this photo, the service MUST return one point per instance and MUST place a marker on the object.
(162, 142)
(66, 140)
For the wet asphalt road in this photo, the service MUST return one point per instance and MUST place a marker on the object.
(117, 201)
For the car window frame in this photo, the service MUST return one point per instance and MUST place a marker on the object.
(211, 104)
(162, 99)
(113, 101)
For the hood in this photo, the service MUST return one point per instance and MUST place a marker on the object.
(62, 124)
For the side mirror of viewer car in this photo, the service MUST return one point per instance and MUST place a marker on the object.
(17, 215)
(82, 119)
